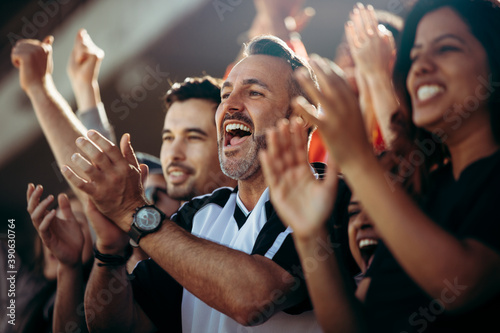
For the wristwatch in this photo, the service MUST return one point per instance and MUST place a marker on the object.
(147, 219)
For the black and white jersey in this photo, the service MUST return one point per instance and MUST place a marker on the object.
(222, 218)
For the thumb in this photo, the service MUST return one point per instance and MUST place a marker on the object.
(128, 151)
(144, 173)
(65, 207)
(49, 39)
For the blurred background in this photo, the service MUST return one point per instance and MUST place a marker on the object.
(172, 37)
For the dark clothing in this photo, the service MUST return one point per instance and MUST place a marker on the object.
(467, 209)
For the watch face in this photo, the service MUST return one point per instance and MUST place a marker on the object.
(148, 219)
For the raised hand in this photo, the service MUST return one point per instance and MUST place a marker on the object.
(373, 51)
(62, 236)
(302, 202)
(280, 17)
(112, 180)
(83, 70)
(372, 46)
(33, 58)
(341, 124)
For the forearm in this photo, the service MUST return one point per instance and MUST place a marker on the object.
(57, 120)
(96, 118)
(413, 238)
(384, 102)
(87, 94)
(68, 310)
(335, 305)
(230, 281)
(109, 302)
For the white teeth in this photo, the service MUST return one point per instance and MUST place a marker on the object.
(176, 173)
(232, 127)
(367, 242)
(428, 91)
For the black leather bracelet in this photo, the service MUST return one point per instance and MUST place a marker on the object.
(111, 259)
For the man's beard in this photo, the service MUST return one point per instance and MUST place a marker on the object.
(182, 193)
(247, 167)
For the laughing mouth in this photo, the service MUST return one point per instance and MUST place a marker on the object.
(428, 91)
(236, 133)
(367, 247)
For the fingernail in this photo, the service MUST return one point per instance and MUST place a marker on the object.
(91, 134)
(73, 157)
(64, 168)
(79, 141)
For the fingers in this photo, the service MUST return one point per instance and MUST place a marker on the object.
(299, 140)
(44, 227)
(371, 18)
(359, 27)
(82, 164)
(331, 179)
(77, 181)
(37, 210)
(102, 152)
(302, 107)
(65, 207)
(284, 143)
(269, 163)
(369, 25)
(34, 198)
(128, 151)
(274, 151)
(48, 40)
(29, 191)
(334, 89)
(305, 81)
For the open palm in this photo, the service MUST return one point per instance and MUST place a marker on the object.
(302, 202)
(63, 235)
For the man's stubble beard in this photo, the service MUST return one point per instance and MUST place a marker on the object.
(246, 167)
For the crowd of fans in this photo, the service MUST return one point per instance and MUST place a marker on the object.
(296, 194)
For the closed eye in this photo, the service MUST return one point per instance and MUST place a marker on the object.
(168, 138)
(353, 213)
(447, 48)
(256, 93)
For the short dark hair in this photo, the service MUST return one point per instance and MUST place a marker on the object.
(206, 87)
(275, 47)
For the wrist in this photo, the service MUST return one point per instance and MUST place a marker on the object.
(39, 87)
(307, 244)
(108, 259)
(264, 24)
(117, 248)
(87, 95)
(374, 75)
(67, 268)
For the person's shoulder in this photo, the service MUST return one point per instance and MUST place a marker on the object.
(218, 197)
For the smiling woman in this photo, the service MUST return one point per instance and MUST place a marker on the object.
(437, 266)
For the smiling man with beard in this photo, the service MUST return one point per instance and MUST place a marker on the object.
(229, 250)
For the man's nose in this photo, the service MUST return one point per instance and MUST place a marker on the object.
(176, 151)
